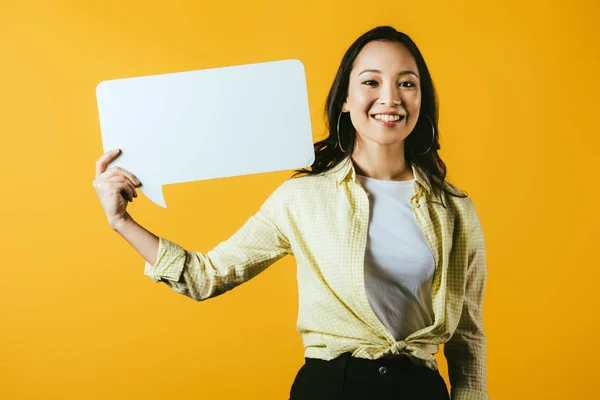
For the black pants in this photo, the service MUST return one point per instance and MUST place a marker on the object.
(348, 378)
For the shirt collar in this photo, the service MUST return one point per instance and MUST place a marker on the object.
(345, 168)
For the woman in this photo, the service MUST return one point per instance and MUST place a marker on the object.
(391, 258)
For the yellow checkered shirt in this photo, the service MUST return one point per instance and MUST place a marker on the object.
(322, 220)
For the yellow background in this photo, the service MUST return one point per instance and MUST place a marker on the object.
(518, 87)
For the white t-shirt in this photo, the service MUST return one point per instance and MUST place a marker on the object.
(399, 265)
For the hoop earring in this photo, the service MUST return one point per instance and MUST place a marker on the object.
(432, 139)
(338, 132)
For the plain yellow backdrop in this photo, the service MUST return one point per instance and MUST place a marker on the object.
(518, 88)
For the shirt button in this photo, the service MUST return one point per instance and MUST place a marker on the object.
(383, 370)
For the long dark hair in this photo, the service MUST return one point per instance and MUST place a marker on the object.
(328, 153)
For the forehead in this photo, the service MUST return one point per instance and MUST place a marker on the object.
(389, 57)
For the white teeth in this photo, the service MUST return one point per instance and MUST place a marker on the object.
(386, 117)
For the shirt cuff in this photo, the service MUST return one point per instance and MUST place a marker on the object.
(468, 394)
(169, 262)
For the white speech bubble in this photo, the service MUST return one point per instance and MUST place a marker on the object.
(206, 124)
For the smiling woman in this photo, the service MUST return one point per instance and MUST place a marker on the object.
(383, 142)
(385, 272)
(382, 109)
(388, 96)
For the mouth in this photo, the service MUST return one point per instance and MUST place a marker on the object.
(388, 119)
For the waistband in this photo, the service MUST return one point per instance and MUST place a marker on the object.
(398, 360)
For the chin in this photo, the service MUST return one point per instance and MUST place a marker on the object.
(384, 140)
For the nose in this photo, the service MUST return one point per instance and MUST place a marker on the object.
(390, 95)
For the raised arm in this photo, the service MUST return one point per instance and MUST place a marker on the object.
(256, 245)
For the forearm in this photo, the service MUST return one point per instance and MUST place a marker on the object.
(200, 276)
(144, 241)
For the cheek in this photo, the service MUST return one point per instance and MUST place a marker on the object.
(413, 98)
(360, 100)
(413, 105)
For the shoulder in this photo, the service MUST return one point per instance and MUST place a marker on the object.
(297, 193)
(323, 181)
(471, 220)
(461, 205)
(292, 187)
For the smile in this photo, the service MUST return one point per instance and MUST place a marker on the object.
(387, 119)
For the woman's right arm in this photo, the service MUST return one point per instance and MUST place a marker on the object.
(249, 251)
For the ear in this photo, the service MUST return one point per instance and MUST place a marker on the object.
(345, 106)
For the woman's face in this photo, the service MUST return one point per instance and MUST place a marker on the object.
(384, 80)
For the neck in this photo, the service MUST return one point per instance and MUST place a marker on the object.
(382, 162)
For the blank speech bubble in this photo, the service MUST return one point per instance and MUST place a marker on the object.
(206, 124)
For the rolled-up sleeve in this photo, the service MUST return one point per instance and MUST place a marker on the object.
(256, 245)
(466, 349)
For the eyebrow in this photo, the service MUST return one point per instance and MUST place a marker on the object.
(407, 72)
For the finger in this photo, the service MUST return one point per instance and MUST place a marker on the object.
(123, 181)
(126, 191)
(115, 185)
(114, 171)
(104, 160)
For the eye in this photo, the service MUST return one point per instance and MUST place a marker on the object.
(370, 82)
(413, 85)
